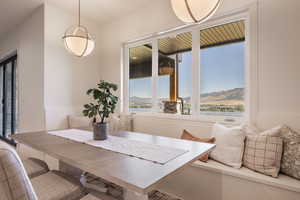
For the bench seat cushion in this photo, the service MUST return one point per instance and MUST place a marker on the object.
(55, 185)
(35, 167)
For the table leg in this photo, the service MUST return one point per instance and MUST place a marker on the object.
(131, 195)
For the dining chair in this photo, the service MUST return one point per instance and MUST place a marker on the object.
(15, 183)
(35, 167)
(90, 197)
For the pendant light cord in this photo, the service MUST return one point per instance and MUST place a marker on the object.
(79, 12)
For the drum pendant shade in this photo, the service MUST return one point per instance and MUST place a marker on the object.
(195, 11)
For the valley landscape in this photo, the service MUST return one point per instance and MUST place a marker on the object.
(221, 101)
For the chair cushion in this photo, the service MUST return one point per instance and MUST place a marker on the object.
(14, 182)
(154, 195)
(35, 167)
(90, 197)
(55, 185)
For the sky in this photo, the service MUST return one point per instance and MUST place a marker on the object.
(222, 68)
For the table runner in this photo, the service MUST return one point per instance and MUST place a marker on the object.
(151, 152)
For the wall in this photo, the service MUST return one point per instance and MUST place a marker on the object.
(27, 39)
(67, 78)
(52, 83)
(278, 31)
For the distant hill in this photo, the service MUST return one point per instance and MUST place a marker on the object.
(232, 97)
(226, 97)
(140, 100)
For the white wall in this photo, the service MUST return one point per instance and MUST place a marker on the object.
(278, 33)
(67, 78)
(52, 83)
(28, 39)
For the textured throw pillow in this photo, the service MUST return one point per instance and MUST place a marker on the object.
(229, 145)
(187, 136)
(290, 164)
(263, 152)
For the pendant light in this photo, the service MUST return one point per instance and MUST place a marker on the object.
(195, 11)
(77, 39)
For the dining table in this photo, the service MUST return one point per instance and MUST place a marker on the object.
(137, 176)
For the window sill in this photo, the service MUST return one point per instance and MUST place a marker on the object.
(198, 118)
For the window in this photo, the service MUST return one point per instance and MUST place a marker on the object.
(8, 97)
(174, 73)
(194, 72)
(140, 77)
(222, 70)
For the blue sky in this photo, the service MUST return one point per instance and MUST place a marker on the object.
(222, 68)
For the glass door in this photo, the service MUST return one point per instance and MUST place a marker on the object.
(8, 98)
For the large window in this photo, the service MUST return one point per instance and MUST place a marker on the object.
(140, 73)
(222, 70)
(194, 72)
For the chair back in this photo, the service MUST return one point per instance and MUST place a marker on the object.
(14, 182)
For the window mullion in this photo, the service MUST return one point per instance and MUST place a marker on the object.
(125, 106)
(195, 72)
(155, 75)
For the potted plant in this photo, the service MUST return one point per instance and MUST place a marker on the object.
(104, 104)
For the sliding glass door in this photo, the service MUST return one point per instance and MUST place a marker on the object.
(8, 97)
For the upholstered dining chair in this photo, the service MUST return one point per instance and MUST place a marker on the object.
(53, 185)
(14, 182)
(35, 167)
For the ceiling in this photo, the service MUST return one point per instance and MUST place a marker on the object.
(101, 10)
(210, 37)
(12, 12)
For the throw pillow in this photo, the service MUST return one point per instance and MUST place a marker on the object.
(188, 136)
(229, 145)
(290, 164)
(263, 152)
(250, 129)
(79, 122)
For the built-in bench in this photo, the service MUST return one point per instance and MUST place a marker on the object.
(283, 181)
(216, 181)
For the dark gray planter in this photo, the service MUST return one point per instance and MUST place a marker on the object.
(100, 131)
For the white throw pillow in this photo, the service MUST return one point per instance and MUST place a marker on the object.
(249, 129)
(229, 145)
(121, 123)
(79, 122)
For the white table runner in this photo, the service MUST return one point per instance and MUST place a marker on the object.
(151, 152)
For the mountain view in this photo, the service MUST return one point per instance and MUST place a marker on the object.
(222, 101)
(227, 97)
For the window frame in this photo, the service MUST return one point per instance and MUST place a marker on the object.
(249, 15)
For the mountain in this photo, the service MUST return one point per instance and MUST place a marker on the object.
(226, 97)
(140, 100)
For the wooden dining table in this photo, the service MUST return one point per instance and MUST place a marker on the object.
(138, 177)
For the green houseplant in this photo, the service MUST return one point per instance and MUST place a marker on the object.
(104, 104)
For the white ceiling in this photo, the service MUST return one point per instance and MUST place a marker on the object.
(12, 12)
(101, 10)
